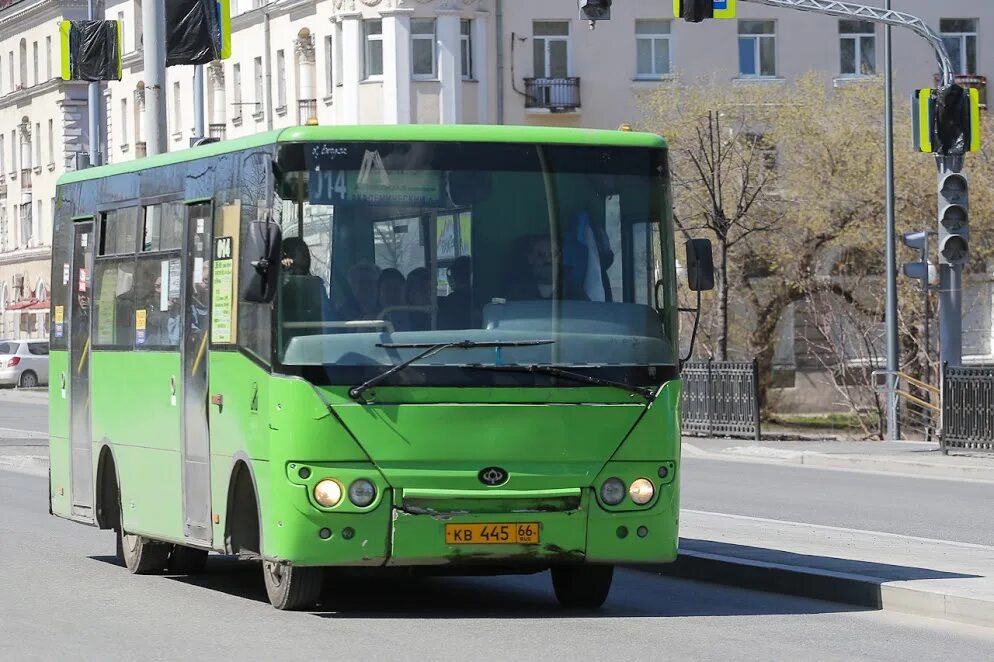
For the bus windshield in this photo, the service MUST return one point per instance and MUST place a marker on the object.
(388, 244)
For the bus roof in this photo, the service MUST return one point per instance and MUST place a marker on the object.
(387, 132)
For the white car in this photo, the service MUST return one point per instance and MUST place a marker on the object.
(23, 363)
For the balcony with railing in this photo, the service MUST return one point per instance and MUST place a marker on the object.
(307, 111)
(970, 81)
(217, 131)
(557, 95)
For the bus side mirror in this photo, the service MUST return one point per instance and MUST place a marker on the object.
(700, 265)
(260, 262)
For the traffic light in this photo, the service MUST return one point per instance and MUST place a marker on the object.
(197, 31)
(922, 270)
(91, 50)
(595, 10)
(695, 11)
(954, 227)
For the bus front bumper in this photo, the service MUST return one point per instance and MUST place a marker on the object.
(447, 528)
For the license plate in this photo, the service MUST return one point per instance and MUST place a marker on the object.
(519, 533)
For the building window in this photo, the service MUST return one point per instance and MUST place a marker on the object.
(34, 64)
(374, 48)
(652, 48)
(177, 110)
(960, 37)
(236, 91)
(280, 79)
(339, 56)
(757, 48)
(13, 151)
(51, 141)
(466, 48)
(48, 58)
(329, 61)
(124, 122)
(3, 154)
(423, 47)
(258, 86)
(37, 138)
(857, 48)
(10, 67)
(120, 23)
(26, 226)
(23, 64)
(551, 49)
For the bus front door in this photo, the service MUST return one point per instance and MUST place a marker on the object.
(196, 334)
(79, 372)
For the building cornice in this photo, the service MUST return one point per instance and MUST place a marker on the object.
(27, 94)
(19, 255)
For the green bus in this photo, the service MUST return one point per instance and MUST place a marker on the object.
(447, 348)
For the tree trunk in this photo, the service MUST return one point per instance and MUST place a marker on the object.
(722, 353)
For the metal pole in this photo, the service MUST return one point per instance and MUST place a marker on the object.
(950, 290)
(93, 106)
(198, 101)
(269, 69)
(154, 50)
(893, 360)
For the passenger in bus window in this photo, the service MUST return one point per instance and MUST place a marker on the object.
(455, 310)
(393, 295)
(362, 301)
(419, 294)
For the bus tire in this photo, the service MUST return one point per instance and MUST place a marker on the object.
(140, 555)
(292, 588)
(186, 560)
(582, 586)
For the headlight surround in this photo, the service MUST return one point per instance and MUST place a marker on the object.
(328, 493)
(641, 491)
(613, 491)
(362, 492)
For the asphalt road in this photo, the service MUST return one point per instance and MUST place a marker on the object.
(63, 596)
(22, 412)
(923, 507)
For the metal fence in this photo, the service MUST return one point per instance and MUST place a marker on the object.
(721, 398)
(968, 408)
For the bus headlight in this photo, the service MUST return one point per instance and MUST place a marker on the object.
(642, 491)
(328, 493)
(362, 492)
(613, 491)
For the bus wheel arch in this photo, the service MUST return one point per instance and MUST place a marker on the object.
(242, 531)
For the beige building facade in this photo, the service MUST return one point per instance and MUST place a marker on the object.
(407, 61)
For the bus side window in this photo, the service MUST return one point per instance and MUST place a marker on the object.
(114, 303)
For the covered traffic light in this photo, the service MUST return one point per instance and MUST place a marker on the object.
(595, 10)
(954, 227)
(91, 50)
(197, 31)
(947, 120)
(695, 11)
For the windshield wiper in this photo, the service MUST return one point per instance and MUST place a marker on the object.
(431, 349)
(646, 393)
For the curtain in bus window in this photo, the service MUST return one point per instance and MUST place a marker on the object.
(192, 32)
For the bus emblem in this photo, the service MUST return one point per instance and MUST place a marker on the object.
(493, 476)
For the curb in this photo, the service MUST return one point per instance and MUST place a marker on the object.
(852, 462)
(856, 590)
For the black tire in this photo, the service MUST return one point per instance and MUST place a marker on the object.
(292, 588)
(582, 586)
(186, 560)
(28, 379)
(141, 556)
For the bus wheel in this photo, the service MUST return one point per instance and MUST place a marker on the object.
(141, 555)
(292, 587)
(186, 560)
(582, 586)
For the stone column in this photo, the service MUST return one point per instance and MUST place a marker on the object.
(397, 66)
(303, 48)
(352, 63)
(219, 102)
(449, 69)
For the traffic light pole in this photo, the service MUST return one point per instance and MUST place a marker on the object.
(93, 105)
(890, 316)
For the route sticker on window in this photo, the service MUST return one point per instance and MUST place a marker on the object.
(222, 292)
(141, 316)
(82, 279)
(59, 320)
(66, 273)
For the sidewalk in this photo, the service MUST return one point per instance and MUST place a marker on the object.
(903, 457)
(933, 578)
